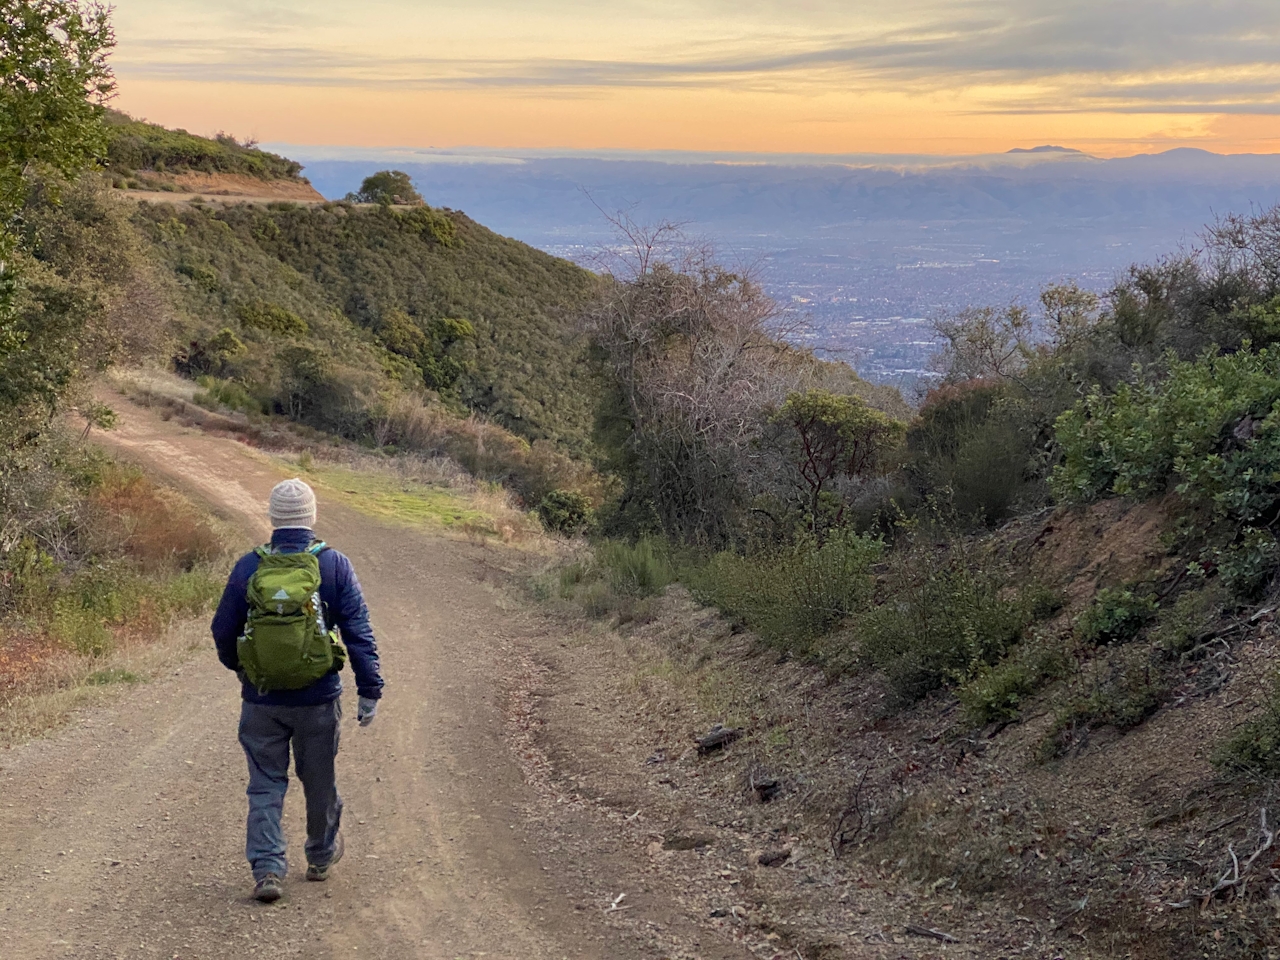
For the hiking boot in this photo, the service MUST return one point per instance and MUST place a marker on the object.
(320, 873)
(268, 889)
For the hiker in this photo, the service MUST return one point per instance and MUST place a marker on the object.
(277, 627)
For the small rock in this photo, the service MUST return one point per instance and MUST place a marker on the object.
(774, 858)
(717, 738)
(676, 841)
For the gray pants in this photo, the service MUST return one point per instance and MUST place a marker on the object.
(266, 734)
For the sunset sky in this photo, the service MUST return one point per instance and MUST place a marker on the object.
(1111, 77)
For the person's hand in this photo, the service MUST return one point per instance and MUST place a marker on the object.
(366, 710)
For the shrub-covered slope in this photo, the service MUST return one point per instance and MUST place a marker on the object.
(378, 290)
(134, 145)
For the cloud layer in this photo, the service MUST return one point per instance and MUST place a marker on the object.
(1012, 55)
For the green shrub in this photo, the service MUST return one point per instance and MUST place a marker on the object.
(80, 629)
(1248, 565)
(1183, 624)
(1120, 691)
(791, 596)
(1115, 616)
(564, 511)
(642, 569)
(227, 393)
(204, 277)
(997, 692)
(1255, 747)
(941, 618)
(1210, 431)
(189, 593)
(271, 318)
(1149, 436)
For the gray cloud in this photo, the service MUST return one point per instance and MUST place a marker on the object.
(1105, 55)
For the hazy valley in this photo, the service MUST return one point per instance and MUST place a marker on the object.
(864, 247)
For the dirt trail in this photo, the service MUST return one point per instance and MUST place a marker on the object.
(122, 836)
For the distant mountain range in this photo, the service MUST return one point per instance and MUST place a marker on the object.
(541, 197)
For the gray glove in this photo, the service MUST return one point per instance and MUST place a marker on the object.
(366, 710)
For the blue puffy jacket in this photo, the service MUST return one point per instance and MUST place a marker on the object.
(344, 607)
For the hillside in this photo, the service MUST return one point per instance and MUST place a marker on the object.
(137, 145)
(367, 281)
(423, 297)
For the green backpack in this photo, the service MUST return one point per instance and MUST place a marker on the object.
(286, 643)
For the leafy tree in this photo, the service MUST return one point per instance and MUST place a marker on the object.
(387, 187)
(209, 356)
(441, 366)
(833, 437)
(54, 79)
(434, 346)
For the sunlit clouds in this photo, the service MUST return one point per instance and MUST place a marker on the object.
(962, 76)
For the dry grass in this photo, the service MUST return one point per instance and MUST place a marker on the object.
(157, 528)
(57, 684)
(97, 608)
(426, 436)
(430, 493)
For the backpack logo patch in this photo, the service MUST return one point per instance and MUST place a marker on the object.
(281, 594)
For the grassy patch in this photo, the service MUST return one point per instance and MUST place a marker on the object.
(640, 570)
(1185, 623)
(388, 496)
(102, 678)
(615, 579)
(998, 692)
(790, 597)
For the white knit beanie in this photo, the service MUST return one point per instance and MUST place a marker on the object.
(293, 504)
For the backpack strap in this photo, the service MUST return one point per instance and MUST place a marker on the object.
(318, 548)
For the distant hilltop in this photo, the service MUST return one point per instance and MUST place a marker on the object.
(1047, 148)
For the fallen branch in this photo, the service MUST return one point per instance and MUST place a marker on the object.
(938, 935)
(1237, 877)
(1225, 823)
(852, 819)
